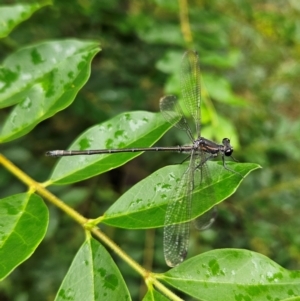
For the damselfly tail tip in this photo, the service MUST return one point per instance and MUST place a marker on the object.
(53, 153)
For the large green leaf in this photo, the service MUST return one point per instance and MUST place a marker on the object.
(23, 224)
(144, 205)
(13, 15)
(42, 79)
(231, 274)
(220, 89)
(93, 276)
(132, 129)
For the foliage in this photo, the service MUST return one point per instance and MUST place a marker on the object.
(250, 71)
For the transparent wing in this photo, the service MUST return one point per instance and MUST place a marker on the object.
(190, 86)
(202, 178)
(178, 215)
(172, 112)
(204, 221)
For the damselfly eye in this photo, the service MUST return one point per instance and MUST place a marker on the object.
(226, 141)
(228, 151)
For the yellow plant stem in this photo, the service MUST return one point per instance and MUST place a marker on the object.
(149, 277)
(184, 22)
(35, 186)
(87, 224)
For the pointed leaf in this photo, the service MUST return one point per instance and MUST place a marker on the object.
(93, 276)
(43, 79)
(13, 15)
(23, 224)
(144, 205)
(132, 129)
(236, 274)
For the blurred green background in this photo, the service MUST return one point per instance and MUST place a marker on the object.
(249, 53)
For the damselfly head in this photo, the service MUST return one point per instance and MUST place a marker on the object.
(228, 149)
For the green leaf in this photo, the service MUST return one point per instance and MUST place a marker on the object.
(236, 274)
(170, 62)
(43, 79)
(229, 60)
(153, 295)
(23, 224)
(144, 205)
(155, 35)
(13, 15)
(220, 89)
(93, 276)
(132, 129)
